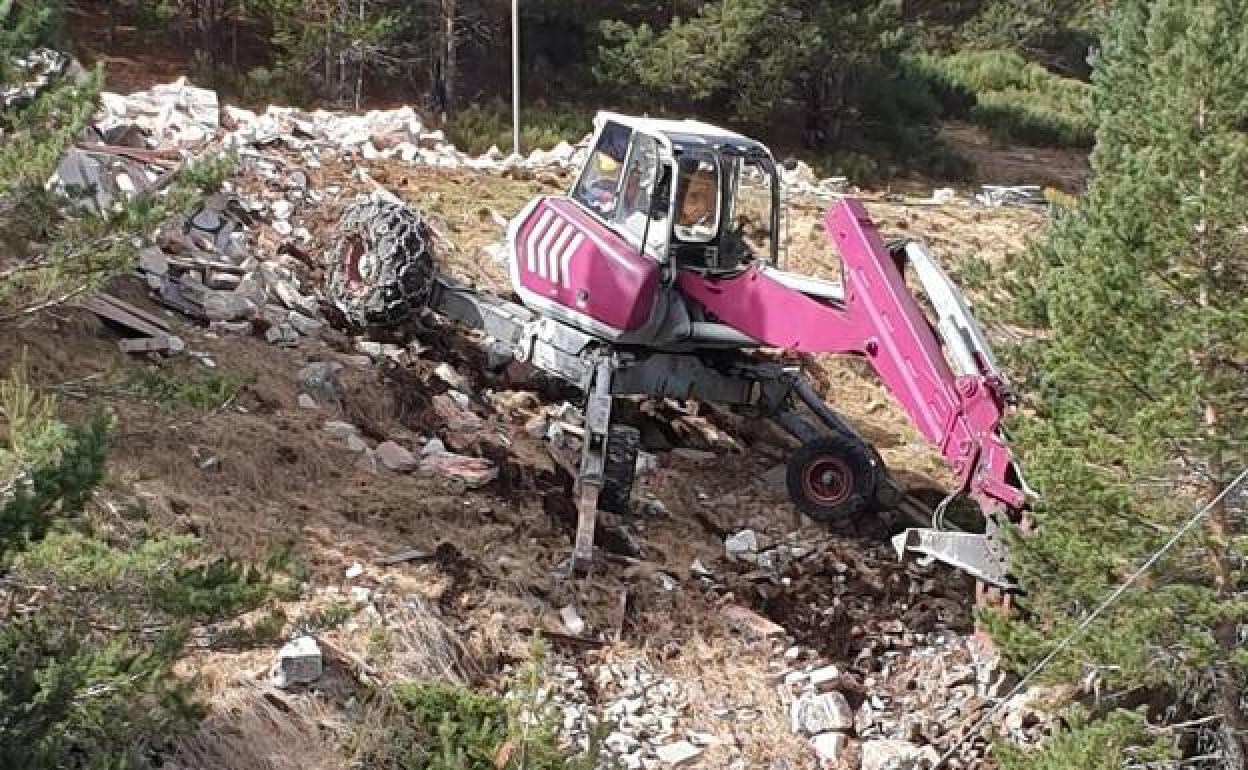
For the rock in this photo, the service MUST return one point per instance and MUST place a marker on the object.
(472, 472)
(698, 569)
(354, 571)
(153, 260)
(282, 228)
(814, 714)
(825, 679)
(320, 379)
(282, 335)
(299, 662)
(447, 374)
(751, 623)
(282, 209)
(306, 401)
(742, 546)
(433, 446)
(621, 743)
(340, 430)
(252, 287)
(646, 464)
(666, 581)
(897, 755)
(218, 279)
(571, 620)
(205, 459)
(395, 457)
(829, 747)
(227, 306)
(308, 327)
(360, 594)
(677, 754)
(456, 417)
(356, 444)
(242, 328)
(291, 298)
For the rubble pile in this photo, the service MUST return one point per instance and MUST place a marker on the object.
(802, 180)
(889, 666)
(995, 196)
(180, 114)
(642, 719)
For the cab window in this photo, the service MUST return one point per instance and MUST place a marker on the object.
(635, 214)
(697, 199)
(599, 185)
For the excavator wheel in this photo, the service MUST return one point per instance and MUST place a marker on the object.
(382, 269)
(832, 477)
(623, 443)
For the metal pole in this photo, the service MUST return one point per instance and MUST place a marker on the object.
(515, 76)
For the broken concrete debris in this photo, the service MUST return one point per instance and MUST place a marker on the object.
(897, 755)
(678, 754)
(571, 620)
(298, 662)
(995, 196)
(814, 714)
(743, 546)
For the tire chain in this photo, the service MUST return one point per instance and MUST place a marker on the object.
(396, 268)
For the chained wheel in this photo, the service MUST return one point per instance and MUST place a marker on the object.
(832, 477)
(623, 443)
(383, 269)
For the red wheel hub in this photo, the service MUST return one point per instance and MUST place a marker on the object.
(827, 480)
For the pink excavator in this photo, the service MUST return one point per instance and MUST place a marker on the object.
(660, 274)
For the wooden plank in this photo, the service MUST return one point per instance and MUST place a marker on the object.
(113, 313)
(133, 153)
(579, 642)
(137, 311)
(414, 554)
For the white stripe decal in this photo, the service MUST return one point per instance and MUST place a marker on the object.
(543, 248)
(530, 252)
(568, 253)
(556, 252)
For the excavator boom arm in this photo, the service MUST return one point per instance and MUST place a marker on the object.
(943, 374)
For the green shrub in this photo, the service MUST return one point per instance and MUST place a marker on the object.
(479, 127)
(171, 392)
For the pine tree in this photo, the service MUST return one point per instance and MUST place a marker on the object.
(78, 691)
(1142, 385)
(831, 68)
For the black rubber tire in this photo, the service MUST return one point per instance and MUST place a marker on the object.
(623, 443)
(832, 477)
(383, 266)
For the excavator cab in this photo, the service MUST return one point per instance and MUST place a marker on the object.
(698, 196)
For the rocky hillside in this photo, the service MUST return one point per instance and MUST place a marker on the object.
(419, 493)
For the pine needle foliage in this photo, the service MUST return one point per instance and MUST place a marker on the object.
(1141, 399)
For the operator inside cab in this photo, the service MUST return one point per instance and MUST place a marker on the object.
(699, 202)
